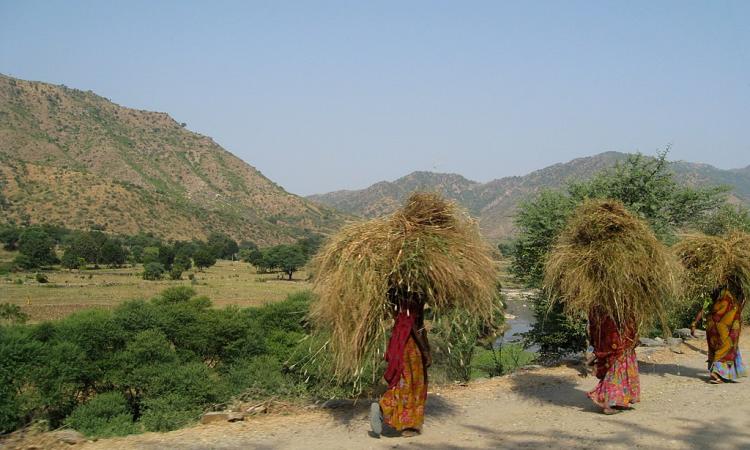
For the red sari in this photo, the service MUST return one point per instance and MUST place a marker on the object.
(403, 403)
(616, 364)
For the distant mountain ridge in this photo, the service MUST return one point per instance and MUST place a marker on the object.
(74, 158)
(494, 203)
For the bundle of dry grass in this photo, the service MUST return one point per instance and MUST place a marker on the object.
(428, 248)
(712, 261)
(608, 258)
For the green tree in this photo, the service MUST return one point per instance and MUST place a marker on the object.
(153, 271)
(86, 245)
(222, 246)
(203, 258)
(113, 253)
(287, 258)
(9, 236)
(72, 261)
(38, 247)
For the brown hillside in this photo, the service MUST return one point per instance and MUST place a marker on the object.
(75, 158)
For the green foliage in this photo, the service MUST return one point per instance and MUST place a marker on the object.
(153, 271)
(175, 273)
(157, 365)
(222, 246)
(285, 258)
(499, 360)
(554, 332)
(169, 412)
(539, 221)
(727, 218)
(23, 262)
(113, 253)
(203, 258)
(105, 415)
(41, 278)
(9, 236)
(10, 313)
(72, 261)
(38, 247)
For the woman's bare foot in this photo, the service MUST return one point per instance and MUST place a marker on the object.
(609, 411)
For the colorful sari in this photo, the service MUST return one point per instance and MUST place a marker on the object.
(616, 364)
(723, 326)
(403, 403)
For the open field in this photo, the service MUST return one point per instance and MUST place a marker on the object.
(226, 283)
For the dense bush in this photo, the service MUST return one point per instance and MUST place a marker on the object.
(153, 271)
(157, 365)
(105, 415)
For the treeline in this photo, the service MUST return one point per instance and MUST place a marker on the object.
(41, 246)
(649, 189)
(287, 258)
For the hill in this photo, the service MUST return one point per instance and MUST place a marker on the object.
(495, 202)
(76, 159)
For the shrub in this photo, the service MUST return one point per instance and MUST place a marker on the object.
(41, 278)
(105, 415)
(10, 313)
(499, 360)
(23, 262)
(153, 271)
(261, 377)
(72, 261)
(176, 273)
(168, 413)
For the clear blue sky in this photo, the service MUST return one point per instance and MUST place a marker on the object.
(330, 95)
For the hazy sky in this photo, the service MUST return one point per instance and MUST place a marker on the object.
(331, 95)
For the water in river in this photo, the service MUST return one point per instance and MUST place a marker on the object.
(519, 314)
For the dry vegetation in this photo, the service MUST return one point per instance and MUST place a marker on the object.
(608, 258)
(226, 283)
(713, 261)
(429, 248)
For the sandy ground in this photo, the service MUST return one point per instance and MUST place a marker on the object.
(538, 408)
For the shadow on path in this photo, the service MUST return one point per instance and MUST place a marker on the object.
(555, 389)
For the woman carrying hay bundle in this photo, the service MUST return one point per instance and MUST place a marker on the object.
(377, 276)
(408, 356)
(721, 265)
(607, 265)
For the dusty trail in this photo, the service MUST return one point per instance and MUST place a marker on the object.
(541, 408)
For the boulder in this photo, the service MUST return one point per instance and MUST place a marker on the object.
(683, 333)
(648, 342)
(71, 437)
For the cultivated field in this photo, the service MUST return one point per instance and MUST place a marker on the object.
(226, 283)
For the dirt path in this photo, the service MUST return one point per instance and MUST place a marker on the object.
(540, 408)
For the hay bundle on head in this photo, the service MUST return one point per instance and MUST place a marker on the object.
(713, 261)
(428, 249)
(608, 258)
